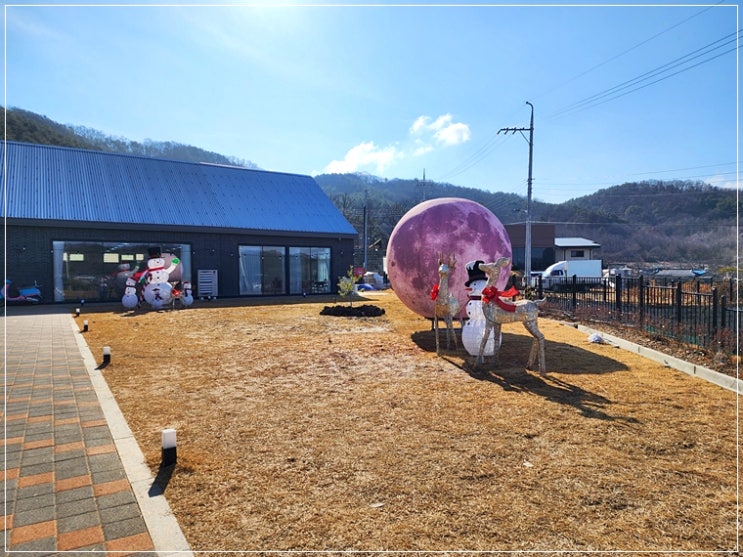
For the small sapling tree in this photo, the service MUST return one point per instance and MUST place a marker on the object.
(347, 285)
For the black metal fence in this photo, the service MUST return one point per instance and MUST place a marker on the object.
(705, 314)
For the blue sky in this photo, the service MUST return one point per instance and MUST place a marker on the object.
(392, 90)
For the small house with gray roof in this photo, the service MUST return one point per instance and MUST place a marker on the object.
(76, 221)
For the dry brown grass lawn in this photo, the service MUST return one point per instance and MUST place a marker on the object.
(298, 431)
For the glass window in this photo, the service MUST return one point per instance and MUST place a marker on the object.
(309, 270)
(262, 270)
(98, 270)
(250, 270)
(273, 271)
(541, 258)
(321, 264)
(299, 271)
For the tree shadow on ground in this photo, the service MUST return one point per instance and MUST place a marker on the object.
(511, 374)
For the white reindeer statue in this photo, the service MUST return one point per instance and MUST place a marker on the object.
(498, 311)
(446, 305)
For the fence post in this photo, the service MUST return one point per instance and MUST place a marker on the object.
(679, 298)
(574, 285)
(641, 301)
(732, 291)
(714, 312)
(618, 294)
(723, 306)
(540, 292)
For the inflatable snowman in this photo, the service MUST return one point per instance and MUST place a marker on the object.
(158, 291)
(130, 299)
(187, 297)
(474, 328)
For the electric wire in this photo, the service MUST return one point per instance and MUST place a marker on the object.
(547, 182)
(630, 49)
(476, 157)
(486, 149)
(614, 92)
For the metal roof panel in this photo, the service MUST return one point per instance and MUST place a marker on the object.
(57, 183)
(575, 242)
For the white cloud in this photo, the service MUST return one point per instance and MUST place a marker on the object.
(422, 149)
(453, 134)
(364, 155)
(420, 123)
(443, 132)
(426, 135)
(722, 182)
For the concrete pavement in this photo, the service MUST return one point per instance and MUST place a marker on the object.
(74, 476)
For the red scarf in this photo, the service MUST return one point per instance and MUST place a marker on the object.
(492, 294)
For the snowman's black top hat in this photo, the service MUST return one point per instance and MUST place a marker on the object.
(474, 273)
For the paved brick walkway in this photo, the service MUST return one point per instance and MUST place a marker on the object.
(65, 485)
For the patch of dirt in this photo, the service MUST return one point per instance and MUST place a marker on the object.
(353, 311)
(299, 431)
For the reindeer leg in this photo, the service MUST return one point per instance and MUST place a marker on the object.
(537, 347)
(542, 361)
(452, 333)
(449, 331)
(436, 331)
(483, 343)
(497, 340)
(533, 352)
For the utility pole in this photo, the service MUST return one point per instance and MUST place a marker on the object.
(422, 186)
(366, 228)
(530, 141)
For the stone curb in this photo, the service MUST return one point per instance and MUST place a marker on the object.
(164, 529)
(720, 379)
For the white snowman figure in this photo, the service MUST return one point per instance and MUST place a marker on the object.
(187, 297)
(474, 328)
(158, 291)
(130, 300)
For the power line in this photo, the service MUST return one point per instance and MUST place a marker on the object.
(634, 47)
(618, 91)
(546, 182)
(615, 92)
(473, 159)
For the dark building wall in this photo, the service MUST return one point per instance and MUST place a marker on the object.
(29, 257)
(542, 235)
(542, 244)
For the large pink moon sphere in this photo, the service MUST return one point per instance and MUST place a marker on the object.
(448, 225)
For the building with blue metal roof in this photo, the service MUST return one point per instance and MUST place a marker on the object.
(80, 221)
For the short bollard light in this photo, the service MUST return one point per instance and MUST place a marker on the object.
(77, 312)
(169, 455)
(85, 326)
(106, 354)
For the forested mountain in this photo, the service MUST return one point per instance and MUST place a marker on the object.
(676, 223)
(673, 223)
(22, 125)
(30, 127)
(680, 222)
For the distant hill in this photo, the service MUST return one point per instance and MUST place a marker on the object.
(680, 223)
(650, 223)
(23, 125)
(30, 127)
